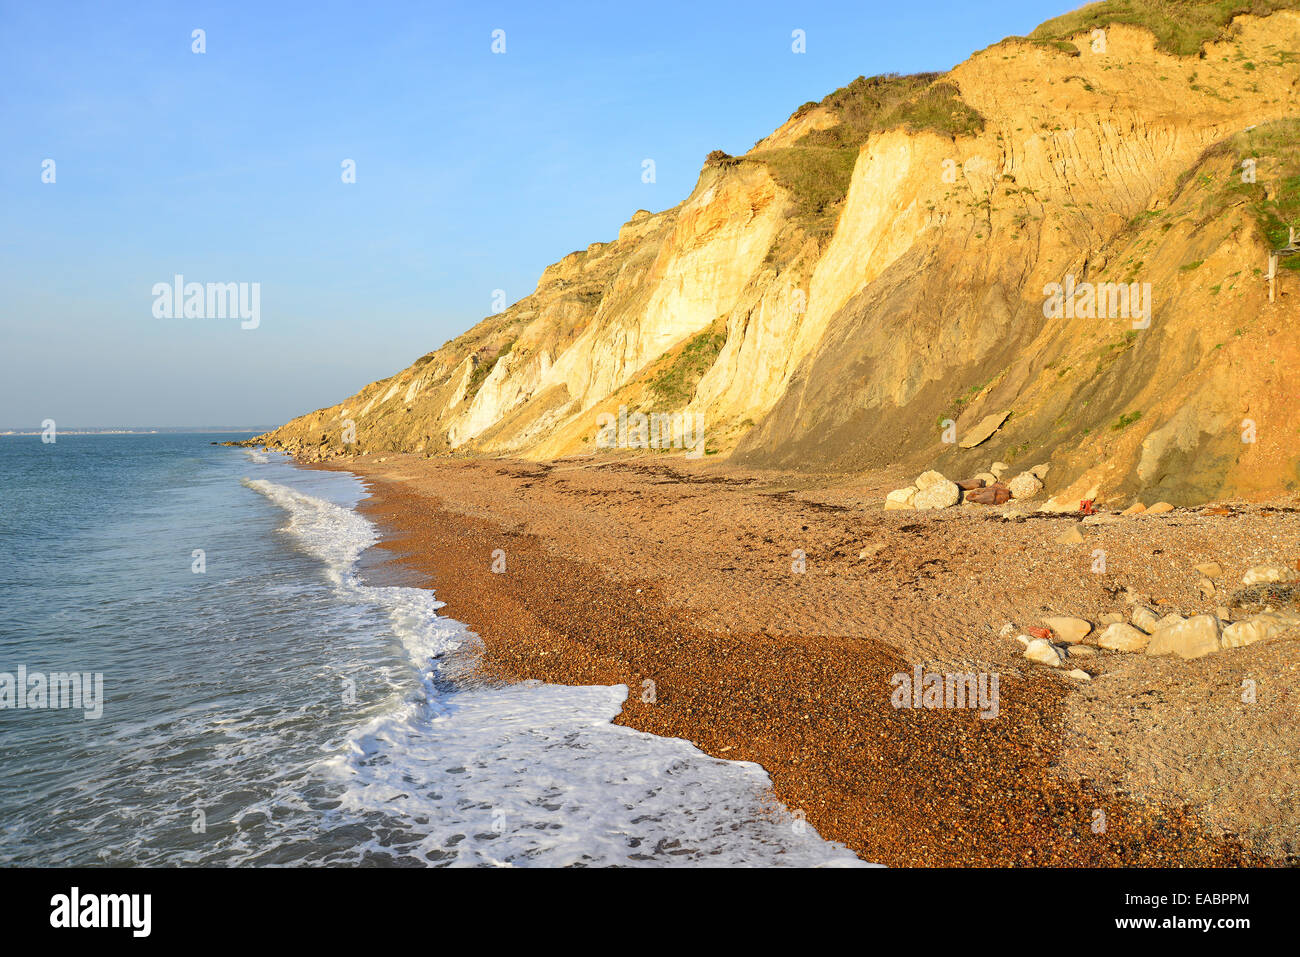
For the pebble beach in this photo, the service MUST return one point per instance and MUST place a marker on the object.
(768, 617)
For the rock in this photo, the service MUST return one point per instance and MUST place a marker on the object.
(969, 485)
(1007, 631)
(997, 468)
(1024, 485)
(1043, 652)
(938, 494)
(1079, 674)
(1193, 638)
(1112, 618)
(1080, 651)
(1223, 613)
(1024, 640)
(988, 478)
(926, 479)
(1209, 569)
(875, 548)
(1144, 618)
(1071, 536)
(1270, 623)
(900, 498)
(984, 430)
(1102, 518)
(1266, 574)
(1040, 471)
(995, 494)
(1173, 618)
(1069, 630)
(1159, 509)
(1137, 508)
(1207, 588)
(1122, 637)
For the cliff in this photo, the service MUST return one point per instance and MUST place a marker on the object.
(876, 277)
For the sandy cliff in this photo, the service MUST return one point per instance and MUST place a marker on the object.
(881, 265)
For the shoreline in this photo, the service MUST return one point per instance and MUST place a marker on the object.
(903, 787)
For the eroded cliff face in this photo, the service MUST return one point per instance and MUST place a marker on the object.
(845, 333)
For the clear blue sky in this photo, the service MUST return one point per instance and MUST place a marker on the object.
(474, 171)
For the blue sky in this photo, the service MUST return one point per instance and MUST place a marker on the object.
(474, 171)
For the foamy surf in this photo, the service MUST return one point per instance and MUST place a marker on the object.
(530, 774)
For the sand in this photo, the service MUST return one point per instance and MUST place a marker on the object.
(683, 574)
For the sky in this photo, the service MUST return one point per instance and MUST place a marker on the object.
(474, 170)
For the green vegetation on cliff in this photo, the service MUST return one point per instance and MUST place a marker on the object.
(918, 101)
(817, 169)
(1270, 189)
(483, 368)
(1181, 27)
(674, 385)
(1277, 209)
(817, 178)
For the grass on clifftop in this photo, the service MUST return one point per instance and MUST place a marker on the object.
(918, 101)
(870, 104)
(1181, 27)
(817, 169)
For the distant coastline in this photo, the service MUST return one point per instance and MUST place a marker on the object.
(174, 430)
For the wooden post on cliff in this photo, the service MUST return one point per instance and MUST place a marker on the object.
(1289, 250)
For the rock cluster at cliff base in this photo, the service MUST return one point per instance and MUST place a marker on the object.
(1173, 634)
(934, 490)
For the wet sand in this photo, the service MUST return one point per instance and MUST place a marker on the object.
(684, 575)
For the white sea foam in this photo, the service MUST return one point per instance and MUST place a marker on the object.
(531, 773)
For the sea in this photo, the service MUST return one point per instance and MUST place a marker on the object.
(267, 697)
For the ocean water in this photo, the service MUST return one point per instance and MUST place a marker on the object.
(264, 704)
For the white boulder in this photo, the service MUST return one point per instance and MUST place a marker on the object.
(1193, 638)
(1025, 485)
(937, 493)
(1069, 630)
(900, 498)
(1044, 652)
(1266, 625)
(1122, 637)
(1265, 574)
